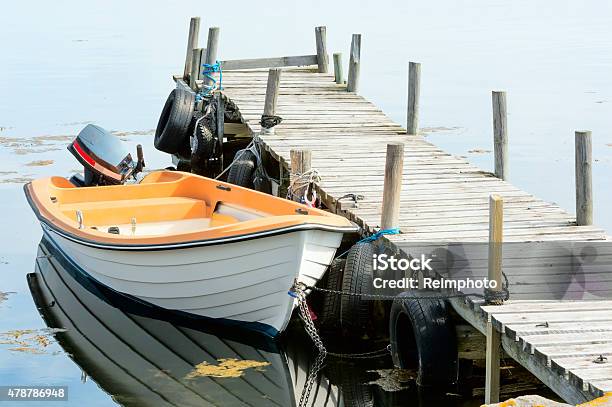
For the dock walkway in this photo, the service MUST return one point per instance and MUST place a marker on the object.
(444, 199)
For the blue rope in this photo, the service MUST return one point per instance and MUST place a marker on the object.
(380, 233)
(374, 237)
(209, 69)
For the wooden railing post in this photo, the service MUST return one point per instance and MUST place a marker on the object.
(500, 135)
(584, 182)
(272, 90)
(211, 49)
(394, 168)
(321, 40)
(354, 64)
(192, 42)
(414, 93)
(196, 67)
(496, 231)
(338, 74)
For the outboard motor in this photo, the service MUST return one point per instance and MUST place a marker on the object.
(105, 158)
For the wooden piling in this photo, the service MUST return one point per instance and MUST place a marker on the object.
(496, 225)
(414, 93)
(272, 89)
(500, 135)
(301, 161)
(195, 68)
(354, 64)
(220, 124)
(394, 166)
(338, 74)
(321, 40)
(192, 42)
(584, 182)
(211, 49)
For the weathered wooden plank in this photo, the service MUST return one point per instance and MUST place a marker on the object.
(278, 62)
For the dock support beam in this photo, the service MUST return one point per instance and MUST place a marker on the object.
(496, 231)
(584, 182)
(272, 90)
(354, 64)
(321, 39)
(500, 135)
(338, 74)
(414, 93)
(211, 49)
(192, 42)
(394, 167)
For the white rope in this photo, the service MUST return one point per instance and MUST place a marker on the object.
(300, 183)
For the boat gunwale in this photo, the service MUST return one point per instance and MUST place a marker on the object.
(183, 244)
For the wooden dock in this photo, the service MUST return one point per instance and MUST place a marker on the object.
(443, 199)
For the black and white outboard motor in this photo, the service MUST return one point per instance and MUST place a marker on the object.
(105, 158)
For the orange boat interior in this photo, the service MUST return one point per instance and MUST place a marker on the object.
(168, 206)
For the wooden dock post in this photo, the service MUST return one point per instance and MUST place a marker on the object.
(414, 93)
(196, 67)
(321, 39)
(211, 49)
(584, 182)
(355, 60)
(394, 166)
(338, 74)
(301, 161)
(500, 134)
(192, 42)
(496, 232)
(272, 90)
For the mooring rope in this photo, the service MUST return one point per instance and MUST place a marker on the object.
(373, 237)
(207, 90)
(268, 121)
(301, 185)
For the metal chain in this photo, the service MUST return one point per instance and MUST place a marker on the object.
(391, 297)
(298, 291)
(300, 295)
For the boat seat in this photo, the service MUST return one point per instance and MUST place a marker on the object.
(143, 210)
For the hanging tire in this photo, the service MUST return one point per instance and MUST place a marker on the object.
(242, 171)
(203, 136)
(330, 309)
(173, 126)
(357, 279)
(423, 336)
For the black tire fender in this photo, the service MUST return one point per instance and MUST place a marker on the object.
(423, 336)
(173, 125)
(242, 171)
(357, 279)
(330, 310)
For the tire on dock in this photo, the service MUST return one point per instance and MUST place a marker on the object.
(173, 125)
(242, 171)
(357, 279)
(422, 336)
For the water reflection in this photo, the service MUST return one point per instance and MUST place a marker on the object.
(143, 361)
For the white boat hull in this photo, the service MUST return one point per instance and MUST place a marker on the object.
(245, 281)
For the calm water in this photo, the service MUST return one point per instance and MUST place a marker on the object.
(67, 63)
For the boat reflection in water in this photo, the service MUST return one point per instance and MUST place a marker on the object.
(144, 360)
